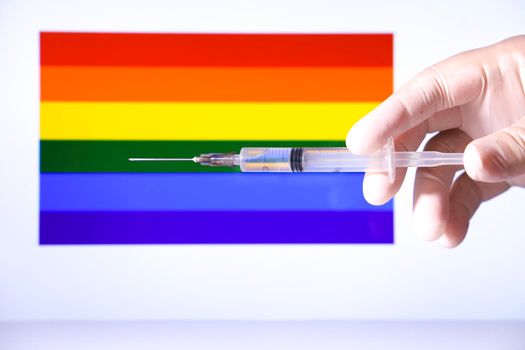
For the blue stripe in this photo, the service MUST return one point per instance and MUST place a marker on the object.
(204, 192)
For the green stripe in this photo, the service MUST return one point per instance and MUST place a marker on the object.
(112, 156)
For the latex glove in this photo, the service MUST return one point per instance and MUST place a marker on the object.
(477, 95)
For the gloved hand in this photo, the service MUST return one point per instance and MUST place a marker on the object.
(476, 100)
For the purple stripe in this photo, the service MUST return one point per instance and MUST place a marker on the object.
(216, 227)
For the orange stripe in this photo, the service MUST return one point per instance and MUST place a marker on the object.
(172, 84)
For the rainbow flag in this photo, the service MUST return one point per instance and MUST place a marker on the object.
(107, 97)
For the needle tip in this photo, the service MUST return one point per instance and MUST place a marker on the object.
(194, 159)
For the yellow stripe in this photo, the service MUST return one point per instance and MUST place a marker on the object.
(199, 121)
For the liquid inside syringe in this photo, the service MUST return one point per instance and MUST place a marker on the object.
(320, 159)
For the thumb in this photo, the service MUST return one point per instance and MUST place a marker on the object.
(499, 156)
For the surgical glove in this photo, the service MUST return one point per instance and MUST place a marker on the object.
(476, 103)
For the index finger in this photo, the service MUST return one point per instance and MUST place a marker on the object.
(453, 82)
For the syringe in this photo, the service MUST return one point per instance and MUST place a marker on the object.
(321, 159)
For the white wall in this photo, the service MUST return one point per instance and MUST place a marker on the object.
(410, 280)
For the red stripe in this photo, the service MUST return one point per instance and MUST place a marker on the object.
(223, 50)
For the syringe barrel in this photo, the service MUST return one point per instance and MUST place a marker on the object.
(309, 159)
(252, 159)
(340, 159)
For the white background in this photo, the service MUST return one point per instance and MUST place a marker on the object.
(482, 279)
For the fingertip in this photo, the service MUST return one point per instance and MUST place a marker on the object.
(473, 162)
(377, 188)
(356, 140)
(456, 230)
(365, 136)
(445, 242)
(458, 222)
(430, 208)
(428, 223)
(486, 160)
(450, 240)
